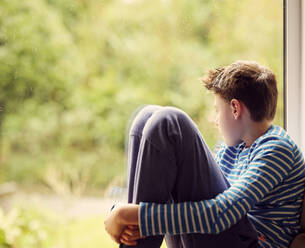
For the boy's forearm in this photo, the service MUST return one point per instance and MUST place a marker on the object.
(128, 214)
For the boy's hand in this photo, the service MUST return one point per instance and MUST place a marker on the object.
(119, 219)
(114, 224)
(130, 235)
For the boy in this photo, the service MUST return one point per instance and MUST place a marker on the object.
(263, 171)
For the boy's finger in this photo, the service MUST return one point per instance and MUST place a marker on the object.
(127, 242)
(133, 227)
(131, 235)
(129, 238)
(132, 232)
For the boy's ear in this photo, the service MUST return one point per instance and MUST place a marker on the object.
(236, 108)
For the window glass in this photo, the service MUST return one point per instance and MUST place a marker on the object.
(73, 72)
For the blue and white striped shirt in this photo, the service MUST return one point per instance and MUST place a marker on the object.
(267, 184)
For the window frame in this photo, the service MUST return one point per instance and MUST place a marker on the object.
(294, 70)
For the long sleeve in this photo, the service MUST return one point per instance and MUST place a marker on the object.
(270, 164)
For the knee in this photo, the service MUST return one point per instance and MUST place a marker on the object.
(167, 119)
(169, 112)
(140, 117)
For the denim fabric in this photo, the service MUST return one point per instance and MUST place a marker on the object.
(169, 161)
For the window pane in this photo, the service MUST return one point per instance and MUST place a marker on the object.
(73, 72)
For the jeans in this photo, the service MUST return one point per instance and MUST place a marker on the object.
(169, 161)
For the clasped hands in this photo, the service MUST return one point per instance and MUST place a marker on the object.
(122, 224)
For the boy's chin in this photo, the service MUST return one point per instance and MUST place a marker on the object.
(233, 142)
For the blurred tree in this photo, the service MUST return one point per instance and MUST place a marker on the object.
(73, 71)
(37, 54)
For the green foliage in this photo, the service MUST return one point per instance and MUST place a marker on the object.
(21, 228)
(72, 73)
(36, 53)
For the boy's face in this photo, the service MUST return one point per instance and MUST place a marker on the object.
(225, 121)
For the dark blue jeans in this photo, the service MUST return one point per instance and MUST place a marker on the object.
(176, 165)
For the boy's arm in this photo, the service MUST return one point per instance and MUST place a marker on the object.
(270, 165)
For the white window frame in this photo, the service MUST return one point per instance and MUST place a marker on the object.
(294, 70)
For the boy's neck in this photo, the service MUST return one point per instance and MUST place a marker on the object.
(254, 130)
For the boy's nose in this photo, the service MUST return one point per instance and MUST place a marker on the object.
(216, 121)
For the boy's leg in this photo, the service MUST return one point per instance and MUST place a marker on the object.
(174, 164)
(134, 140)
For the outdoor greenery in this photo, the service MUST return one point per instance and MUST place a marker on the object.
(32, 228)
(73, 72)
(22, 228)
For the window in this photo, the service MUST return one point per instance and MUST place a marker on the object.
(295, 70)
(74, 71)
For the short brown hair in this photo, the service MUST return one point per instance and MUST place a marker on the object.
(248, 82)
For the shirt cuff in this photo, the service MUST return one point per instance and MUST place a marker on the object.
(142, 219)
(149, 219)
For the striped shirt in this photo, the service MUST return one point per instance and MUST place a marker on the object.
(267, 184)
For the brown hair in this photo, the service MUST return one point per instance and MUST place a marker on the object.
(248, 82)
